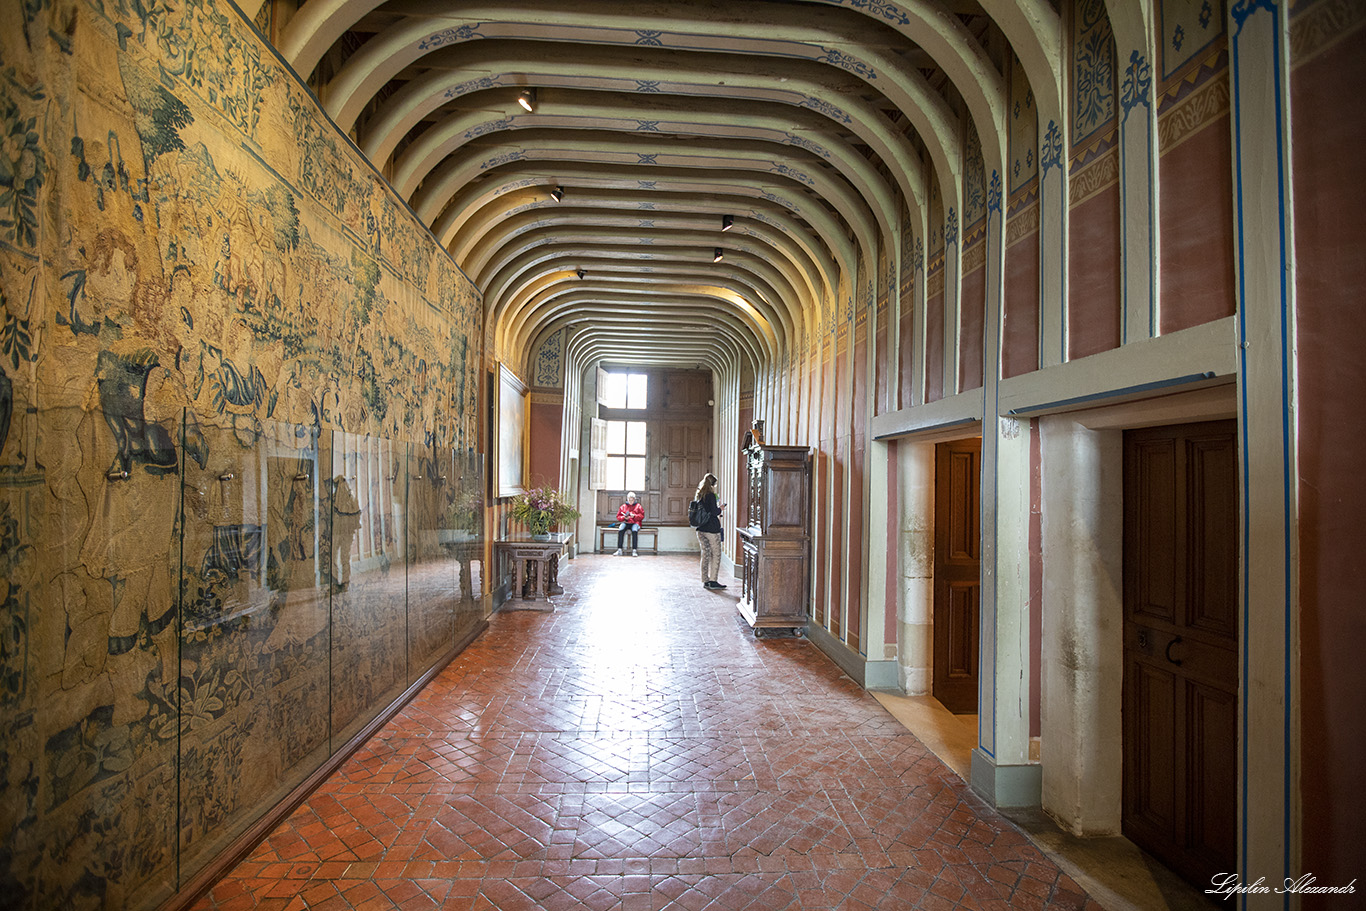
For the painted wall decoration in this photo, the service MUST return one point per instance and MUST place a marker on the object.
(238, 399)
(974, 184)
(1188, 31)
(1093, 77)
(1023, 130)
(548, 365)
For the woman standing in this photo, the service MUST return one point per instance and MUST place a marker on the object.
(709, 532)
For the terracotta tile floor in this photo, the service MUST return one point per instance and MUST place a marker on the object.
(638, 749)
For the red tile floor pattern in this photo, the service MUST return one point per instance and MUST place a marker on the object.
(638, 749)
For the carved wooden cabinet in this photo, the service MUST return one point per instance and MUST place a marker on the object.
(775, 536)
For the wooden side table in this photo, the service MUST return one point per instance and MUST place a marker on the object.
(544, 552)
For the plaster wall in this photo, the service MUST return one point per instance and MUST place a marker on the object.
(915, 543)
(1082, 649)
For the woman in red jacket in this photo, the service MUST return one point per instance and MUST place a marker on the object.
(630, 517)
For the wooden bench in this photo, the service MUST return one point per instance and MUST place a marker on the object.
(607, 538)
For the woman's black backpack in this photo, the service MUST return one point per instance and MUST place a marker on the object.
(697, 514)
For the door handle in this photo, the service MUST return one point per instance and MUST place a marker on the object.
(1174, 642)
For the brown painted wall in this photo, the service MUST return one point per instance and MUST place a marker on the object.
(857, 531)
(1328, 104)
(843, 400)
(971, 322)
(881, 403)
(934, 348)
(859, 417)
(824, 365)
(1094, 275)
(544, 420)
(906, 361)
(1197, 229)
(1020, 335)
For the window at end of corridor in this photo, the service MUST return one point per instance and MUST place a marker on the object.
(625, 390)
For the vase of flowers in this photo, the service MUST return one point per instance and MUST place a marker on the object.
(542, 509)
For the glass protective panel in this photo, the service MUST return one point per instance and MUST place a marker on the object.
(465, 533)
(89, 661)
(635, 438)
(616, 436)
(183, 644)
(254, 677)
(367, 501)
(433, 594)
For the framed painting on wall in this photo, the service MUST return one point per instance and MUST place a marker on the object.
(512, 431)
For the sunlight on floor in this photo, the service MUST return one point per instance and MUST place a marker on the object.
(1112, 869)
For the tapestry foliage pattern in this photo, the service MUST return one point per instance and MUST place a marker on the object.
(239, 486)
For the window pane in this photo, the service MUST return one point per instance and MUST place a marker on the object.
(635, 438)
(635, 474)
(616, 391)
(616, 436)
(616, 473)
(635, 394)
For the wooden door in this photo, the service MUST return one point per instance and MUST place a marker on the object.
(957, 573)
(685, 456)
(1180, 725)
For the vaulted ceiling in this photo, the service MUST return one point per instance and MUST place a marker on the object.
(818, 130)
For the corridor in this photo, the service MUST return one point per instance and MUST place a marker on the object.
(637, 748)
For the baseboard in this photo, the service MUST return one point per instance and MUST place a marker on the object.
(1006, 785)
(197, 886)
(873, 675)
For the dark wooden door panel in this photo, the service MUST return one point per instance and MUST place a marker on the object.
(1148, 710)
(1180, 727)
(1212, 778)
(957, 574)
(961, 634)
(1155, 530)
(1213, 575)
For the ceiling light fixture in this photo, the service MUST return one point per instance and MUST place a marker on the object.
(727, 221)
(557, 194)
(717, 257)
(527, 100)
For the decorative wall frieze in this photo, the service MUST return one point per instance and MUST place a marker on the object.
(1023, 223)
(935, 285)
(1023, 199)
(1098, 176)
(1197, 110)
(975, 256)
(1323, 25)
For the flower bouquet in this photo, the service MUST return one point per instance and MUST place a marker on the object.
(542, 509)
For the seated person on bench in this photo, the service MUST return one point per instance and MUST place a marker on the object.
(630, 517)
